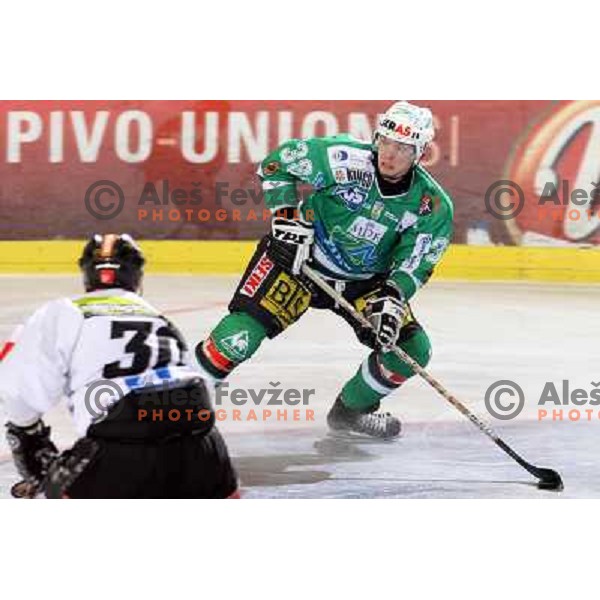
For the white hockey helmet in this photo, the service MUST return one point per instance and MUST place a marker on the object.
(408, 124)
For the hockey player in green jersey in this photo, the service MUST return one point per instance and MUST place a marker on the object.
(375, 227)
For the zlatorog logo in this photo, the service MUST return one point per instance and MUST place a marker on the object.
(558, 167)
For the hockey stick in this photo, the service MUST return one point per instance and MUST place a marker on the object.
(548, 478)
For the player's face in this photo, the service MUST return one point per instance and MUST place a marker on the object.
(394, 159)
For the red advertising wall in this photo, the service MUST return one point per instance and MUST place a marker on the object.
(190, 165)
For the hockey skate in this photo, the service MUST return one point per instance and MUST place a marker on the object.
(372, 424)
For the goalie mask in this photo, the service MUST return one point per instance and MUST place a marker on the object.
(407, 124)
(112, 261)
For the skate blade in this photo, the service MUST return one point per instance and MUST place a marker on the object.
(363, 438)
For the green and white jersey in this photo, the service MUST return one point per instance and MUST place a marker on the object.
(359, 232)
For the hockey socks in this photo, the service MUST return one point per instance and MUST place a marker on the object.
(383, 372)
(234, 340)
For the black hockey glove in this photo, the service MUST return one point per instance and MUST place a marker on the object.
(65, 470)
(386, 311)
(32, 449)
(290, 243)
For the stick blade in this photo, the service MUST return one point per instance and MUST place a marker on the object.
(549, 480)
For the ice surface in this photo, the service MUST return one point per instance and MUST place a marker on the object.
(481, 333)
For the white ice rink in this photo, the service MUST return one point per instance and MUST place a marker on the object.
(481, 333)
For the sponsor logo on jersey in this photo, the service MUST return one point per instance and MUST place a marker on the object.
(363, 255)
(377, 209)
(408, 220)
(364, 178)
(319, 181)
(330, 248)
(368, 230)
(93, 306)
(438, 247)
(257, 276)
(340, 175)
(391, 216)
(340, 156)
(302, 168)
(352, 197)
(348, 156)
(422, 246)
(294, 153)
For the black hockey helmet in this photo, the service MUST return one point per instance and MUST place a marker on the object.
(112, 261)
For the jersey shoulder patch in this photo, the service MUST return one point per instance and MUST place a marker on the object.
(433, 192)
